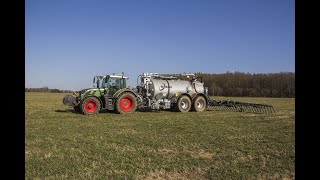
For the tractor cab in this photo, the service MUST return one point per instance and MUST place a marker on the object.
(110, 84)
(110, 81)
(115, 81)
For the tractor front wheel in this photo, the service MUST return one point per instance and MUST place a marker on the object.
(91, 105)
(126, 103)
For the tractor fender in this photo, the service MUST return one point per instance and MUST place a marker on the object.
(120, 91)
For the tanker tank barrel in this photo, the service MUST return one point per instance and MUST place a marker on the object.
(163, 90)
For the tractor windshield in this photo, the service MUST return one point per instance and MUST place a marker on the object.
(98, 81)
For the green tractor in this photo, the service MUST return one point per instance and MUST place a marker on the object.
(110, 92)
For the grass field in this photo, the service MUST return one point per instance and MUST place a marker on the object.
(61, 144)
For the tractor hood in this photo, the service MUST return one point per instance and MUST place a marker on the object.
(84, 90)
(97, 92)
(90, 89)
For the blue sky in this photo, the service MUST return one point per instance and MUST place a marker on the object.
(67, 42)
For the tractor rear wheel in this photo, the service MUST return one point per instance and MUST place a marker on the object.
(199, 104)
(91, 105)
(126, 103)
(183, 104)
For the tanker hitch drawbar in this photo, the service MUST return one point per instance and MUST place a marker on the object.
(240, 106)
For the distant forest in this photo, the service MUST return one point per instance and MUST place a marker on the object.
(239, 84)
(46, 89)
(235, 84)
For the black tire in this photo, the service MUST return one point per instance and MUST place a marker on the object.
(183, 104)
(199, 104)
(77, 108)
(126, 103)
(91, 105)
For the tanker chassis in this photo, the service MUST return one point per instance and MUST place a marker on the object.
(170, 92)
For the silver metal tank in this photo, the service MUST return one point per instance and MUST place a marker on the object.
(161, 89)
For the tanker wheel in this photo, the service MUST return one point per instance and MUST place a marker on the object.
(126, 103)
(91, 105)
(199, 104)
(184, 104)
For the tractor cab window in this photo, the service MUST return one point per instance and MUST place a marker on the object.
(113, 82)
(97, 81)
(123, 82)
(116, 83)
(104, 83)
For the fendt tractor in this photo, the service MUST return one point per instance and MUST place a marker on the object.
(178, 92)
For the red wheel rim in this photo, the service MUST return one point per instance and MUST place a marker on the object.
(91, 106)
(126, 104)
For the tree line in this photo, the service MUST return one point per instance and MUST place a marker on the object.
(250, 85)
(235, 84)
(46, 89)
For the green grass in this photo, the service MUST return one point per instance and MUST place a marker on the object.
(61, 144)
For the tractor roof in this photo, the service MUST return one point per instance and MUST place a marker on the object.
(118, 76)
